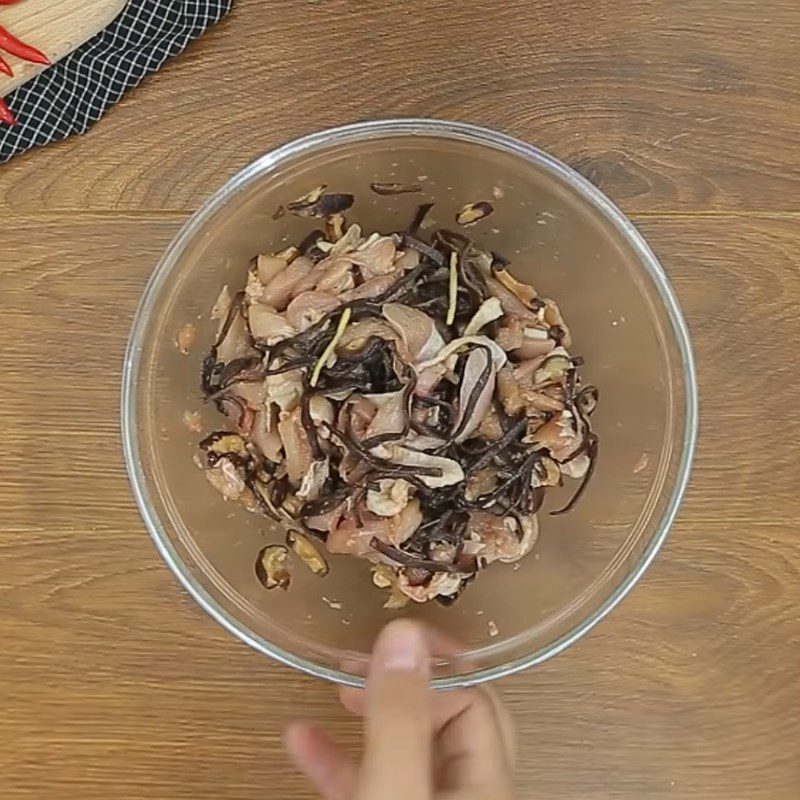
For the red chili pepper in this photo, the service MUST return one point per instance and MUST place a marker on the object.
(8, 2)
(17, 48)
(5, 113)
(4, 68)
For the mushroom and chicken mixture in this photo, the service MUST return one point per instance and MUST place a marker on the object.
(408, 402)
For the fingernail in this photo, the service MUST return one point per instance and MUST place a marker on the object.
(401, 647)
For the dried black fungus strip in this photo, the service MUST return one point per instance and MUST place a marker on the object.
(410, 378)
(385, 438)
(444, 528)
(236, 305)
(309, 427)
(316, 508)
(432, 401)
(586, 435)
(487, 500)
(308, 247)
(261, 492)
(409, 559)
(452, 240)
(557, 333)
(309, 342)
(517, 488)
(499, 261)
(472, 278)
(289, 366)
(570, 381)
(418, 576)
(228, 403)
(279, 491)
(369, 371)
(424, 249)
(419, 217)
(209, 375)
(591, 451)
(247, 368)
(376, 473)
(513, 433)
(394, 188)
(469, 274)
(474, 395)
(537, 498)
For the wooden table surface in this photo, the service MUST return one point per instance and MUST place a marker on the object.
(115, 686)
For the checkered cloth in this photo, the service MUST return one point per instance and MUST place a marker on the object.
(70, 96)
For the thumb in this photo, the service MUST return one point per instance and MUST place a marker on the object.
(399, 720)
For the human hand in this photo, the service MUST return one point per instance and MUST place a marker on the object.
(419, 744)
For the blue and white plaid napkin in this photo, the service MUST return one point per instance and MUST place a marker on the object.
(73, 94)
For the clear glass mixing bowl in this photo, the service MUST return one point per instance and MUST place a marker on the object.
(563, 236)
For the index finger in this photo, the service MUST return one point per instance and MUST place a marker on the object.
(398, 757)
(445, 704)
(449, 705)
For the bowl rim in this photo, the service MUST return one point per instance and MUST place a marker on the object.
(356, 132)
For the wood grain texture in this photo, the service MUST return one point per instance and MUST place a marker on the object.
(54, 28)
(114, 684)
(666, 104)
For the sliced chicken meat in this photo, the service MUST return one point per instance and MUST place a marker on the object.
(372, 287)
(348, 537)
(417, 330)
(268, 267)
(278, 291)
(310, 307)
(295, 445)
(267, 325)
(376, 257)
(265, 436)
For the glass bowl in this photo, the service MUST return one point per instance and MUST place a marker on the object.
(563, 236)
